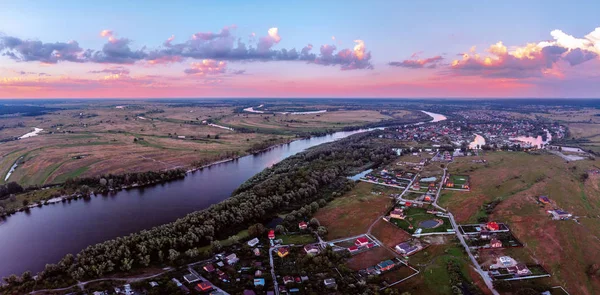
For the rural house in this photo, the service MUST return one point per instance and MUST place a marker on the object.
(386, 265)
(397, 213)
(253, 242)
(362, 241)
(283, 251)
(302, 225)
(311, 249)
(495, 243)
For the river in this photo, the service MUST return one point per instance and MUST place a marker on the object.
(534, 141)
(478, 142)
(44, 235)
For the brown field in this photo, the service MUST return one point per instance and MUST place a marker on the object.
(564, 248)
(583, 115)
(584, 130)
(86, 141)
(389, 234)
(354, 212)
(369, 258)
(307, 122)
(397, 274)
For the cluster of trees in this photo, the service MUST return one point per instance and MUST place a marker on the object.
(295, 182)
(460, 284)
(105, 183)
(10, 188)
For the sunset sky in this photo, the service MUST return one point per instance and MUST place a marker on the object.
(390, 49)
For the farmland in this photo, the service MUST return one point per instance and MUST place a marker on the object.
(81, 139)
(353, 213)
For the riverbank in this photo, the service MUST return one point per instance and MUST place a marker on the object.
(132, 210)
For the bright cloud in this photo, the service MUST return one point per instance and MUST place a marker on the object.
(533, 59)
(207, 67)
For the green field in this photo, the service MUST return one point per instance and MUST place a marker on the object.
(414, 216)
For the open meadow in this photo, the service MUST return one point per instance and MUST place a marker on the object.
(354, 212)
(509, 184)
(82, 139)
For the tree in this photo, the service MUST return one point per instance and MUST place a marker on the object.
(256, 230)
(26, 276)
(314, 222)
(216, 245)
(192, 253)
(173, 255)
(234, 239)
(322, 230)
(25, 203)
(280, 229)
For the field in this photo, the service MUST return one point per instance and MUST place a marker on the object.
(415, 216)
(514, 181)
(289, 123)
(82, 139)
(354, 212)
(434, 277)
(369, 258)
(389, 234)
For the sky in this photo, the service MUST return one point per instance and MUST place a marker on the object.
(288, 49)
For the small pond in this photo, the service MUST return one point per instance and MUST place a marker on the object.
(429, 223)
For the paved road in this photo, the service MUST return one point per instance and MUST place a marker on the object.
(275, 284)
(437, 196)
(82, 284)
(486, 278)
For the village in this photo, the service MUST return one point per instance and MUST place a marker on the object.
(277, 261)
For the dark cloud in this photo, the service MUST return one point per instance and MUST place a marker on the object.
(222, 46)
(430, 63)
(116, 51)
(32, 50)
(577, 56)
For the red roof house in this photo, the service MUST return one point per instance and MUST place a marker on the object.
(302, 225)
(495, 243)
(492, 226)
(353, 249)
(362, 241)
(271, 234)
(203, 287)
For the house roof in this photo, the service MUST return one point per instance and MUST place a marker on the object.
(283, 250)
(204, 286)
(385, 263)
(362, 240)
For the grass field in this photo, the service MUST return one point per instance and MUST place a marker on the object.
(434, 277)
(354, 212)
(564, 248)
(297, 239)
(289, 123)
(89, 140)
(415, 216)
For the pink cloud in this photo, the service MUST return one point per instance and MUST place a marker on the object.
(207, 67)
